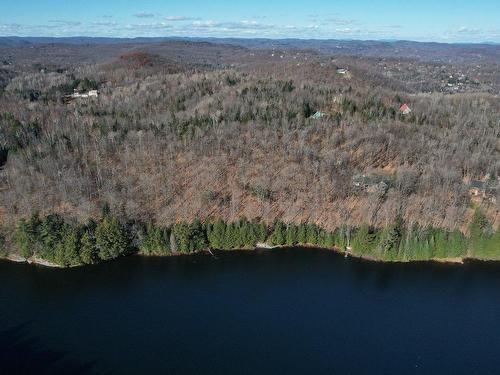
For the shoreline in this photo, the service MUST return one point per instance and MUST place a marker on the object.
(15, 258)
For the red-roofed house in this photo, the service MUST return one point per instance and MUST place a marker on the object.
(404, 109)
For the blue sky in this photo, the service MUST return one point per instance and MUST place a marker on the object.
(423, 20)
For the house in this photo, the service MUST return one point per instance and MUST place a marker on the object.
(404, 109)
(90, 94)
(342, 70)
(371, 183)
(378, 188)
(481, 190)
(477, 188)
(318, 115)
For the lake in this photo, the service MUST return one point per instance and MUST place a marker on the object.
(287, 311)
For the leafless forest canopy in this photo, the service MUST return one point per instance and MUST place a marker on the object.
(184, 130)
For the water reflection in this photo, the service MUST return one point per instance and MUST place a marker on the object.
(21, 353)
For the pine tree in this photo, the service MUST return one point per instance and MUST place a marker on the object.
(278, 235)
(311, 234)
(456, 243)
(182, 240)
(232, 237)
(51, 231)
(329, 240)
(198, 239)
(291, 234)
(154, 241)
(262, 232)
(479, 229)
(111, 238)
(88, 250)
(3, 249)
(362, 242)
(27, 236)
(302, 234)
(216, 234)
(248, 233)
(67, 250)
(389, 240)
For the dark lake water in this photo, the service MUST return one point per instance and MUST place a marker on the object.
(276, 312)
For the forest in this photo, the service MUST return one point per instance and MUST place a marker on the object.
(73, 244)
(190, 146)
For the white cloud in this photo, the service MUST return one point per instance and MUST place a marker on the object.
(340, 21)
(348, 30)
(252, 27)
(144, 15)
(237, 26)
(468, 30)
(65, 22)
(149, 29)
(180, 18)
(105, 24)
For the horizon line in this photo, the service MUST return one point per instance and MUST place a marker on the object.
(385, 40)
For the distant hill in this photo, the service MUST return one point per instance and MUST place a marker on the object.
(426, 51)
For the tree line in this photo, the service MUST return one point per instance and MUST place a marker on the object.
(66, 243)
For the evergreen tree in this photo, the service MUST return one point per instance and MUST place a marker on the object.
(291, 234)
(261, 232)
(329, 240)
(232, 237)
(441, 244)
(89, 253)
(198, 237)
(302, 234)
(492, 245)
(111, 238)
(389, 240)
(479, 229)
(182, 237)
(456, 244)
(216, 234)
(154, 241)
(67, 250)
(362, 242)
(321, 238)
(311, 234)
(51, 231)
(278, 236)
(26, 236)
(248, 233)
(3, 249)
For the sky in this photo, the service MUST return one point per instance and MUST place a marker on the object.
(423, 20)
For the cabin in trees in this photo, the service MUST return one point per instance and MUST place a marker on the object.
(405, 109)
(371, 183)
(90, 94)
(481, 190)
(342, 70)
(78, 95)
(318, 115)
(477, 188)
